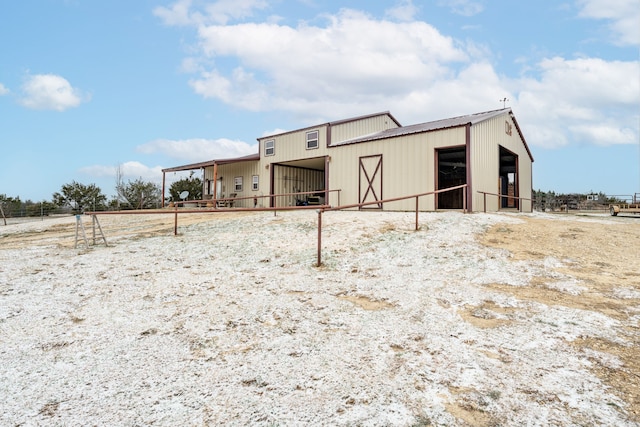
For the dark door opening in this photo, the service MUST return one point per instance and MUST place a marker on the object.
(508, 179)
(452, 171)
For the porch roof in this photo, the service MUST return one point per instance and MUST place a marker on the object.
(208, 163)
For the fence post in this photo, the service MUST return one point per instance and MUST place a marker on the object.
(464, 199)
(416, 213)
(175, 221)
(319, 263)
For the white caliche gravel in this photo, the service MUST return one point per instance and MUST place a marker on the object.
(230, 323)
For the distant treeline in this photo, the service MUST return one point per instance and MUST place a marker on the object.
(552, 201)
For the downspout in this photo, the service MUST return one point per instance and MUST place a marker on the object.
(469, 188)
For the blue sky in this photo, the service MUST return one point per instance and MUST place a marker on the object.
(89, 87)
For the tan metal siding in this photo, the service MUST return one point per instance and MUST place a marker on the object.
(293, 146)
(226, 175)
(353, 129)
(292, 180)
(486, 139)
(408, 167)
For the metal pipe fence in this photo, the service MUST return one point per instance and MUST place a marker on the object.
(380, 202)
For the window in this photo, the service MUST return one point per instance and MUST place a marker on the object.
(270, 147)
(312, 140)
(237, 183)
(254, 182)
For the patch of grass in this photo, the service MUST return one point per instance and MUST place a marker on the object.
(421, 421)
(495, 394)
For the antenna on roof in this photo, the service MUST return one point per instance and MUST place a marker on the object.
(504, 102)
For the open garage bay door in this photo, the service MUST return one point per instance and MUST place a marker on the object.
(298, 176)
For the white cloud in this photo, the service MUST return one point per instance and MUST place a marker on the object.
(282, 67)
(354, 64)
(405, 10)
(130, 171)
(586, 100)
(3, 90)
(49, 92)
(198, 149)
(463, 7)
(222, 11)
(604, 134)
(275, 131)
(219, 12)
(178, 14)
(623, 15)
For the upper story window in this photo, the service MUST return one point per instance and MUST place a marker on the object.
(270, 147)
(312, 140)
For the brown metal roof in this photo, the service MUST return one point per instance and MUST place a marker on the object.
(208, 163)
(336, 122)
(426, 127)
(453, 122)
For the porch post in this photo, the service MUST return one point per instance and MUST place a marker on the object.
(215, 185)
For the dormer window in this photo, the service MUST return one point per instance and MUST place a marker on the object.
(312, 140)
(270, 147)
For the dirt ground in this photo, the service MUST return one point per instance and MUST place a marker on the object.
(603, 256)
(64, 234)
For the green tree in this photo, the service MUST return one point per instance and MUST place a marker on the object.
(39, 208)
(11, 206)
(190, 184)
(80, 197)
(139, 194)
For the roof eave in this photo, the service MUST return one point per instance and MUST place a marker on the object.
(208, 163)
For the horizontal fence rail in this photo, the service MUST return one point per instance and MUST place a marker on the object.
(417, 197)
(320, 209)
(175, 211)
(502, 196)
(230, 201)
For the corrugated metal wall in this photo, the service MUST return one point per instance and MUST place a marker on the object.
(486, 139)
(408, 167)
(408, 164)
(294, 180)
(293, 146)
(344, 131)
(226, 184)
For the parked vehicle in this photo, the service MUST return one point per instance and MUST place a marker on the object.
(633, 207)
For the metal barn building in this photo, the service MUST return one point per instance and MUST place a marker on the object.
(373, 158)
